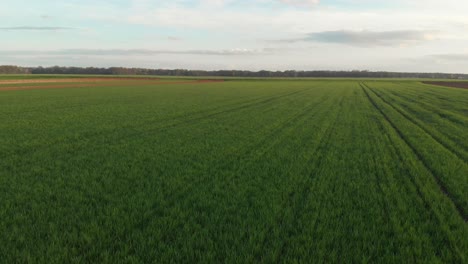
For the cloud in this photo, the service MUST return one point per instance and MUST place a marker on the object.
(30, 28)
(138, 52)
(300, 3)
(173, 38)
(451, 57)
(368, 38)
(330, 32)
(124, 52)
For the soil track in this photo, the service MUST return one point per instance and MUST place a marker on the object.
(88, 82)
(461, 85)
(76, 80)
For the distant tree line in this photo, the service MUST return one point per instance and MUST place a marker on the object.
(223, 73)
(8, 69)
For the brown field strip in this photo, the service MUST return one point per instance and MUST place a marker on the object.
(76, 80)
(83, 83)
(461, 85)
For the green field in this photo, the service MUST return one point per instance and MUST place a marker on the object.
(274, 171)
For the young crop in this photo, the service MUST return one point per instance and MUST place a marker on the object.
(148, 171)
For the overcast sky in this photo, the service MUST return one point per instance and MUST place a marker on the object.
(393, 35)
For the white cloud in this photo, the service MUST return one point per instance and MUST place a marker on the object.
(136, 52)
(463, 57)
(300, 3)
(388, 30)
(35, 28)
(372, 38)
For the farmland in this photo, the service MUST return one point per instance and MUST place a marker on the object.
(240, 171)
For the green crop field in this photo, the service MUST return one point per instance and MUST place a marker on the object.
(241, 171)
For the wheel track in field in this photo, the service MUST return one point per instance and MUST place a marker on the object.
(419, 193)
(435, 91)
(436, 95)
(298, 198)
(303, 113)
(305, 193)
(447, 84)
(45, 110)
(421, 159)
(449, 117)
(454, 117)
(185, 119)
(381, 179)
(417, 188)
(439, 182)
(249, 150)
(35, 110)
(195, 120)
(245, 154)
(158, 120)
(143, 84)
(91, 85)
(428, 132)
(294, 120)
(248, 154)
(409, 118)
(426, 105)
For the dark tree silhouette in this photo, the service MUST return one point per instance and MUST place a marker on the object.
(224, 73)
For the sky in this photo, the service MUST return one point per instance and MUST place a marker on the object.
(376, 35)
